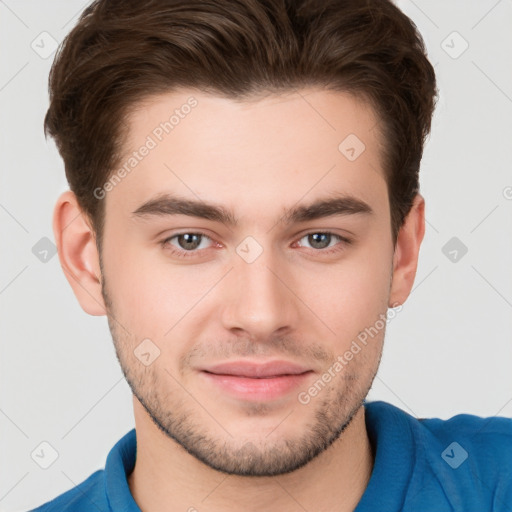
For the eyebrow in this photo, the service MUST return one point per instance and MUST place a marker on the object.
(166, 204)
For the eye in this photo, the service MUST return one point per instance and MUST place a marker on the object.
(321, 241)
(186, 244)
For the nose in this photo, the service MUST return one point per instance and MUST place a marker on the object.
(260, 298)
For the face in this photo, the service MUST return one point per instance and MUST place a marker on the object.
(243, 254)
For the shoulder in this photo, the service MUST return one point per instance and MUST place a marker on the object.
(478, 446)
(482, 435)
(104, 489)
(488, 441)
(474, 453)
(466, 458)
(88, 495)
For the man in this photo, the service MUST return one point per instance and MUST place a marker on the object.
(244, 207)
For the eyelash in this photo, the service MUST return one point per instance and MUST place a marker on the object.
(192, 253)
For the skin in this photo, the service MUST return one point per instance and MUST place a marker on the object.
(197, 445)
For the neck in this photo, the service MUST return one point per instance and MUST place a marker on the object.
(167, 478)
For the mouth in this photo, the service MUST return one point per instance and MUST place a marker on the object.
(256, 382)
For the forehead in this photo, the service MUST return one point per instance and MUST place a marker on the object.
(266, 150)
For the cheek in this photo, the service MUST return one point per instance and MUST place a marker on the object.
(152, 295)
(350, 296)
(141, 292)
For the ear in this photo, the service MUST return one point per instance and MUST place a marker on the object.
(405, 258)
(78, 255)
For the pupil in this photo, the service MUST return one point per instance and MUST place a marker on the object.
(190, 243)
(315, 242)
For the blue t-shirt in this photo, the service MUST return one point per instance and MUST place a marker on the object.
(463, 464)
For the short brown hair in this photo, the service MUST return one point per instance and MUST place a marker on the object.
(122, 51)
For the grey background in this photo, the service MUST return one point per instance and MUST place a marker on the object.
(448, 351)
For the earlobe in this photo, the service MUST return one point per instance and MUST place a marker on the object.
(405, 259)
(78, 255)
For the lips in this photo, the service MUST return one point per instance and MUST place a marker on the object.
(257, 370)
(255, 381)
